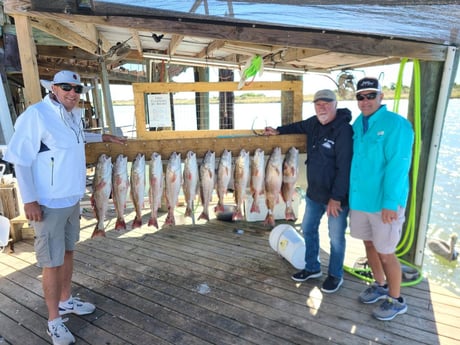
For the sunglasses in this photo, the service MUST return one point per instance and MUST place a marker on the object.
(67, 87)
(368, 96)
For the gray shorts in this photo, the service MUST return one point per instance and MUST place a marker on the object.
(370, 227)
(55, 234)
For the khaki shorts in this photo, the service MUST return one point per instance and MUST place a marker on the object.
(370, 227)
(55, 234)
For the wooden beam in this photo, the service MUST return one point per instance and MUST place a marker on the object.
(137, 41)
(48, 70)
(176, 40)
(213, 46)
(140, 89)
(250, 49)
(296, 55)
(199, 145)
(69, 52)
(64, 33)
(143, 19)
(86, 30)
(276, 35)
(29, 66)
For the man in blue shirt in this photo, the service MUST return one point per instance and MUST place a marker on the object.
(379, 188)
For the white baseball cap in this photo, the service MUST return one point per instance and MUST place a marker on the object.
(65, 77)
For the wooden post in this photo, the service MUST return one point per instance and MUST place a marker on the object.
(226, 102)
(431, 73)
(202, 99)
(28, 54)
(289, 113)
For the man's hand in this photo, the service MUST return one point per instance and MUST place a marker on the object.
(388, 216)
(113, 139)
(333, 208)
(270, 131)
(33, 211)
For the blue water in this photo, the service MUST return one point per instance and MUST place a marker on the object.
(445, 209)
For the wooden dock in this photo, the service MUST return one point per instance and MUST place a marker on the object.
(213, 282)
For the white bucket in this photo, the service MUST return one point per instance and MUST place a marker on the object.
(4, 232)
(287, 242)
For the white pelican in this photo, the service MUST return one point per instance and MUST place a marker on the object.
(442, 248)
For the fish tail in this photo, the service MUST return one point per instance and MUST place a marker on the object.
(98, 233)
(137, 223)
(153, 222)
(120, 224)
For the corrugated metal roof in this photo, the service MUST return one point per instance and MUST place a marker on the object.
(435, 22)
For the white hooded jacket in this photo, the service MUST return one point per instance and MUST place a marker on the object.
(51, 141)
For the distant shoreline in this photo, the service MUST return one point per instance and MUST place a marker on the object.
(261, 98)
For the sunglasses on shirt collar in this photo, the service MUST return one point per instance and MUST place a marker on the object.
(368, 96)
(67, 87)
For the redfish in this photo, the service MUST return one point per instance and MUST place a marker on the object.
(190, 182)
(173, 184)
(102, 187)
(207, 181)
(156, 187)
(120, 187)
(224, 175)
(257, 178)
(273, 181)
(241, 181)
(290, 174)
(138, 188)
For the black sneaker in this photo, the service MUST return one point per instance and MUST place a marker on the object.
(331, 284)
(304, 275)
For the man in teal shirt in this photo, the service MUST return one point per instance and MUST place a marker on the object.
(379, 188)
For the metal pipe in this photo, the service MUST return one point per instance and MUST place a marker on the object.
(191, 61)
(107, 99)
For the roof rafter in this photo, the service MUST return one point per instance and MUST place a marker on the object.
(62, 32)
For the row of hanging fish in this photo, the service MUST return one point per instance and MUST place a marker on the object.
(276, 180)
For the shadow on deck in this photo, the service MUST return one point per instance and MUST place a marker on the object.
(209, 284)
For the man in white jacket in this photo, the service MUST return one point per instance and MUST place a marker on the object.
(48, 153)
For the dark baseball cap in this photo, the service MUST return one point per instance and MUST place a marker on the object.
(368, 84)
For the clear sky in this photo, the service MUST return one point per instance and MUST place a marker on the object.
(388, 75)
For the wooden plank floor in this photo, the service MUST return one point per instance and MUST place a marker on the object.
(209, 284)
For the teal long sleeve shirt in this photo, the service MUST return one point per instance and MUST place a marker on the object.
(379, 177)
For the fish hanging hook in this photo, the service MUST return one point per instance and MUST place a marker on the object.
(259, 132)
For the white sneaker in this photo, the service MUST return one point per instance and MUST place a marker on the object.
(60, 334)
(76, 306)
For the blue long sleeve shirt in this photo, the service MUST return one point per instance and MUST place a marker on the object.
(379, 177)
